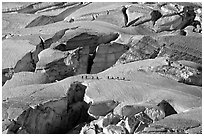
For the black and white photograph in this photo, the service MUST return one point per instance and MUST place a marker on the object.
(101, 67)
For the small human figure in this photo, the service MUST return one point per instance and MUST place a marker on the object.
(169, 62)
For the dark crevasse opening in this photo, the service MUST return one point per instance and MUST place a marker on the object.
(90, 61)
(167, 108)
